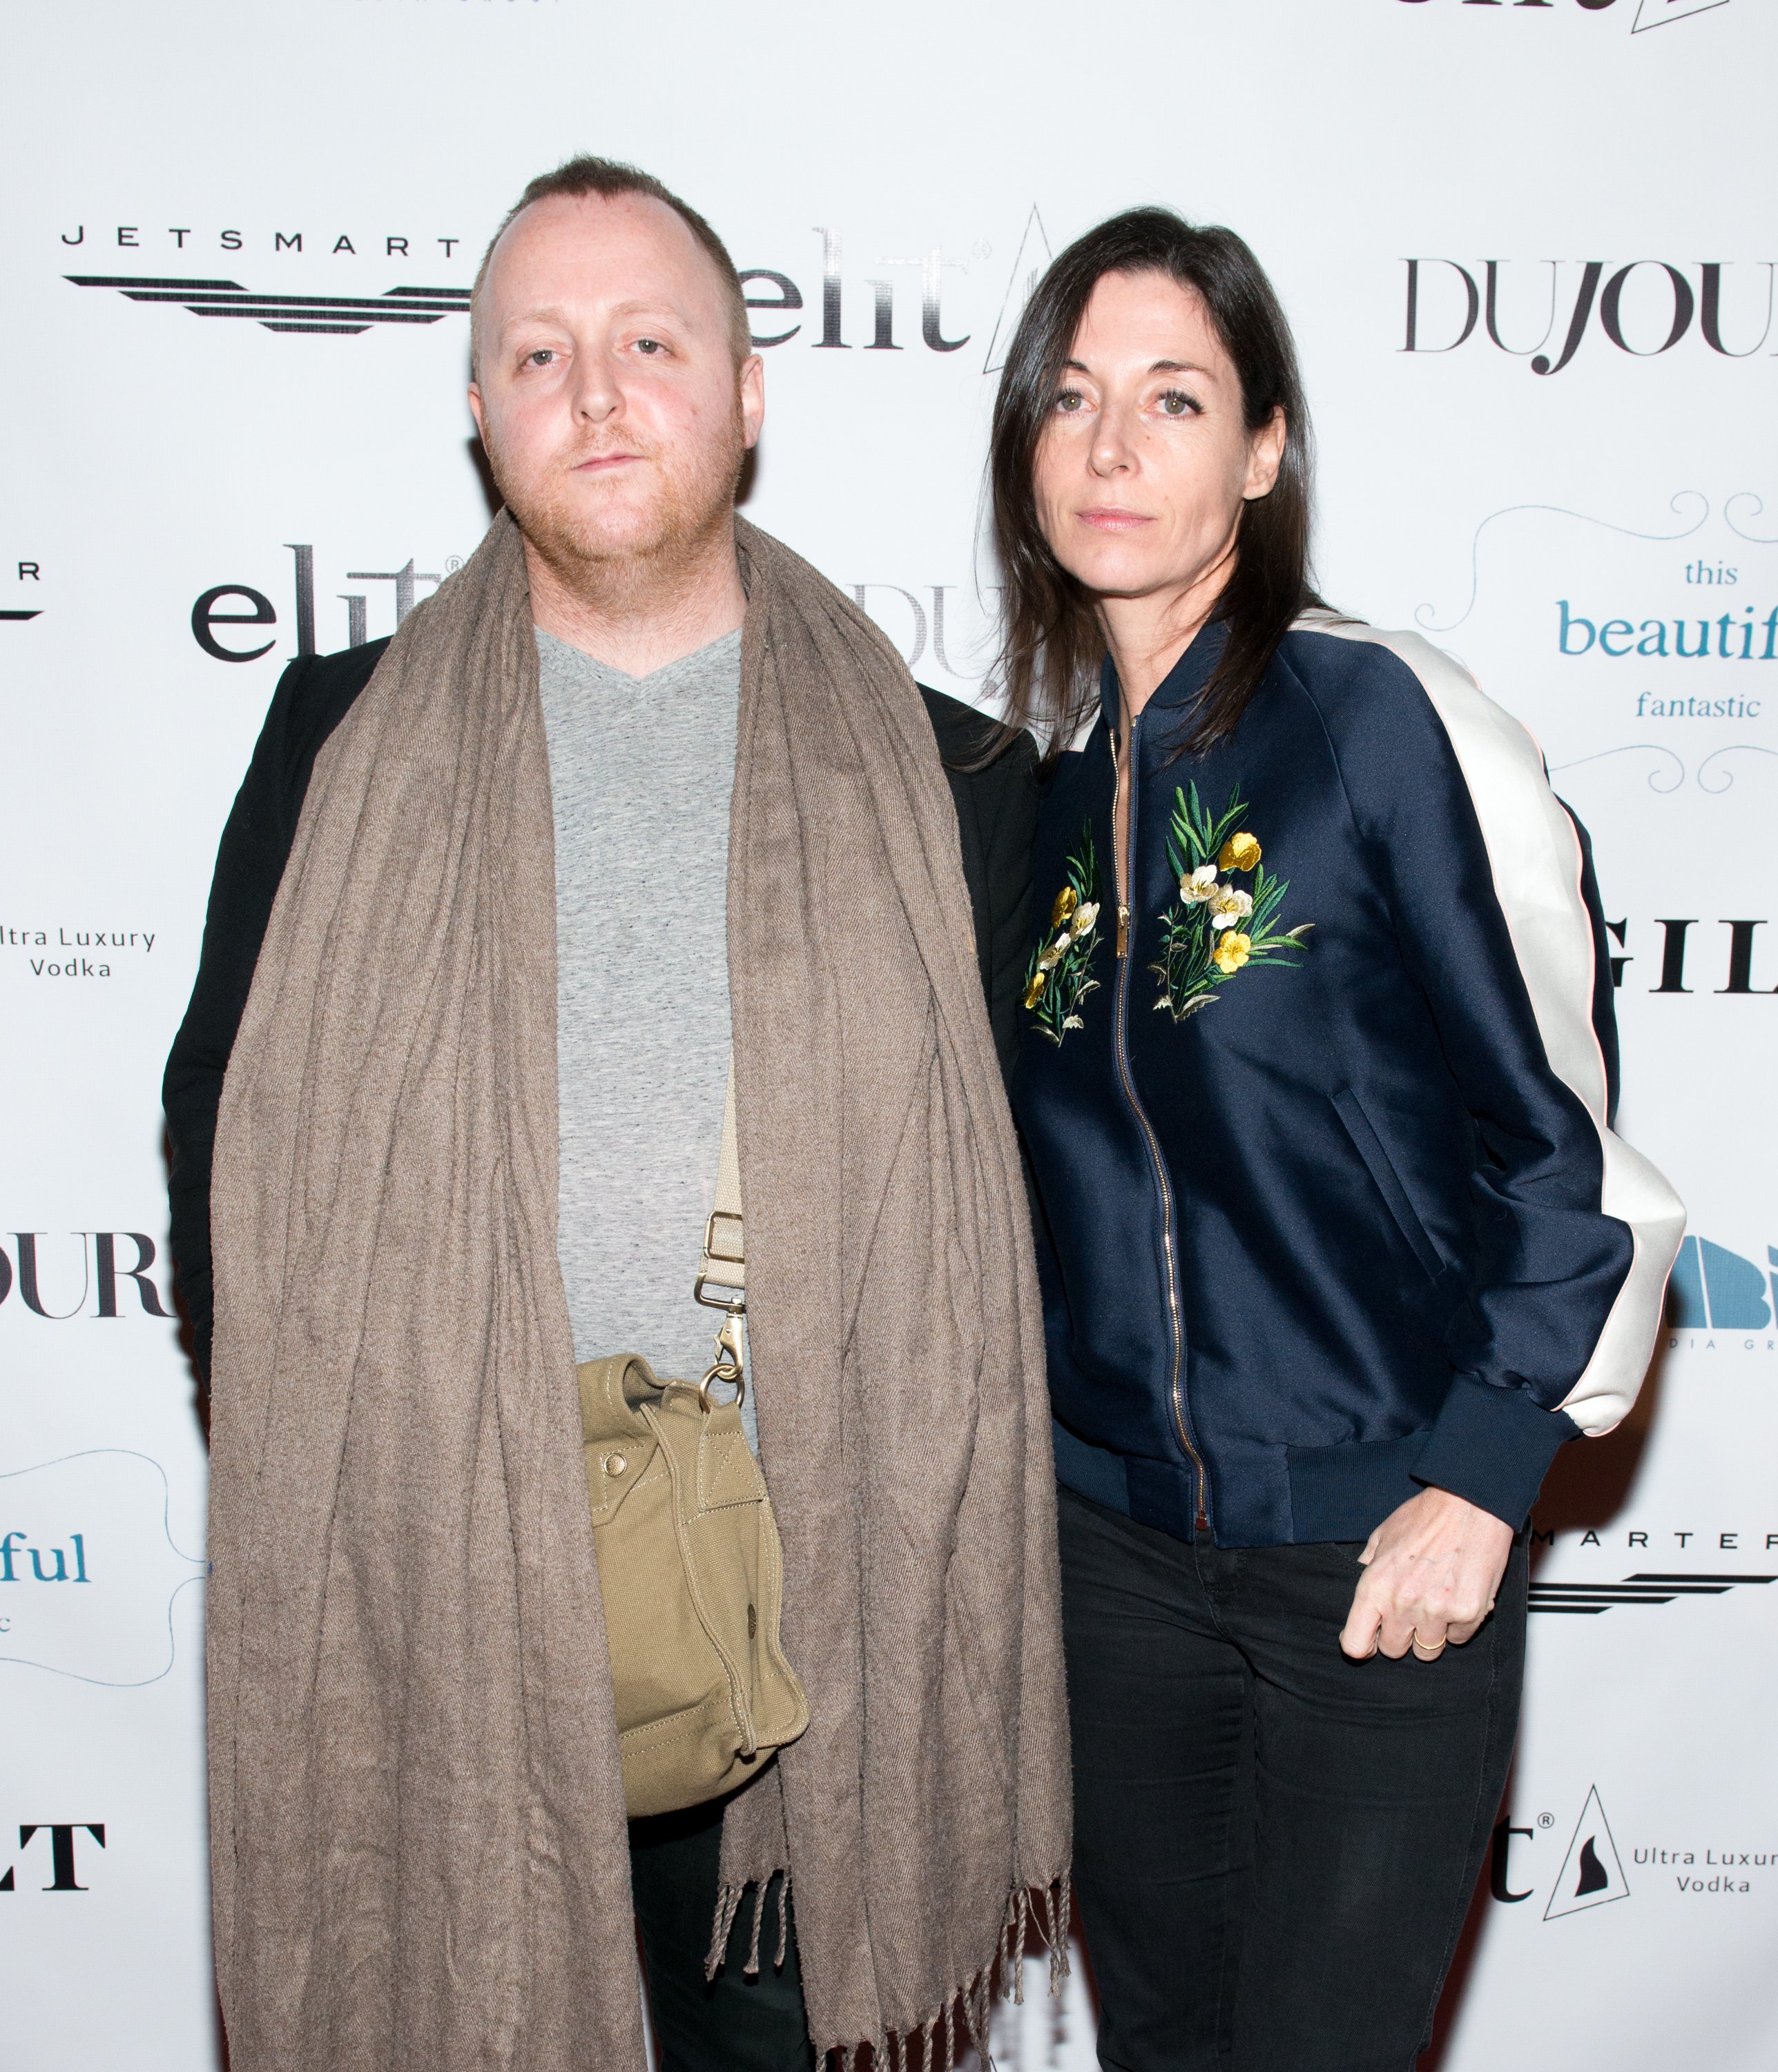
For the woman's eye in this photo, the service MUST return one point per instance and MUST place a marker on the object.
(1176, 403)
(1071, 402)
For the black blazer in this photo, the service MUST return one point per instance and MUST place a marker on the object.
(996, 808)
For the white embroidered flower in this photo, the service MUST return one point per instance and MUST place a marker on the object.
(1200, 886)
(1085, 918)
(1228, 906)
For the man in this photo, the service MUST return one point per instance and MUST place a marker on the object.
(466, 971)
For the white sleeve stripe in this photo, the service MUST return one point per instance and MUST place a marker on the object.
(1534, 854)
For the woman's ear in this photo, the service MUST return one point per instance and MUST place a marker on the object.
(1265, 457)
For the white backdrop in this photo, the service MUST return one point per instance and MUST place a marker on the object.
(1530, 263)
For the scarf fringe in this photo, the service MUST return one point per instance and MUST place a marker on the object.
(729, 1903)
(968, 2009)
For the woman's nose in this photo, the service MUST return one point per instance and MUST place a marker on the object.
(1110, 449)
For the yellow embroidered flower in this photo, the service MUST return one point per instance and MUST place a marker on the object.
(1240, 852)
(1232, 951)
(1229, 907)
(1066, 901)
(1199, 887)
(1033, 993)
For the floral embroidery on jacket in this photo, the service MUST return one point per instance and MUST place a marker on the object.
(1058, 977)
(1217, 927)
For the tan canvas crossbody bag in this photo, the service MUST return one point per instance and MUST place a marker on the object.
(689, 1563)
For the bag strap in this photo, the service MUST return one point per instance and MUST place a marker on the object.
(721, 1282)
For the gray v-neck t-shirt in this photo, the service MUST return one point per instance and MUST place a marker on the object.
(641, 771)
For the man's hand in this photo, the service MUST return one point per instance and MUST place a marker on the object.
(1431, 1569)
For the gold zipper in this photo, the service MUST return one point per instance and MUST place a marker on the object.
(1122, 1017)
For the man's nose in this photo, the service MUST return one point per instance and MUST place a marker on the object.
(598, 394)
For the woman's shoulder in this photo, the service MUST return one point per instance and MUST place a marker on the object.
(1392, 700)
(1364, 678)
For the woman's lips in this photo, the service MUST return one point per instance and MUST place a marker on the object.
(1106, 518)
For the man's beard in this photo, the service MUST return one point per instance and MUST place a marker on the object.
(642, 563)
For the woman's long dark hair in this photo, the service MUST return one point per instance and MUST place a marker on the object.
(1051, 640)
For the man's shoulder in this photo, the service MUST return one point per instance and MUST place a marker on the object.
(314, 694)
(971, 743)
(317, 691)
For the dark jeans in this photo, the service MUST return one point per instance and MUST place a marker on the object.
(1275, 1847)
(730, 2023)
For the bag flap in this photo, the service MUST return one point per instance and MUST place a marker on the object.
(611, 1391)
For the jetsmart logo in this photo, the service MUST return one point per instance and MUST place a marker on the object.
(1644, 308)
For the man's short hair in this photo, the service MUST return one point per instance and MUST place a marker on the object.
(609, 178)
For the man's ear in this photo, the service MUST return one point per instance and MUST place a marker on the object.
(750, 380)
(475, 410)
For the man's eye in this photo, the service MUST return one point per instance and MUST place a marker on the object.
(540, 357)
(650, 346)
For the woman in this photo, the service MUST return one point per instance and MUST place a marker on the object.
(1337, 1246)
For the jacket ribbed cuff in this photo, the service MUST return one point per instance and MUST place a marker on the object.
(1493, 1446)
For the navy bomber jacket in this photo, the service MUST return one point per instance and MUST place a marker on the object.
(1331, 1204)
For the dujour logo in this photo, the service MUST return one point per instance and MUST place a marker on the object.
(1644, 308)
(45, 1277)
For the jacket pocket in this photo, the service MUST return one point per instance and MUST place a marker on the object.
(1370, 1147)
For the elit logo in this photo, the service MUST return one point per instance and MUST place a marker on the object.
(1591, 1874)
(1644, 307)
(57, 1845)
(1649, 13)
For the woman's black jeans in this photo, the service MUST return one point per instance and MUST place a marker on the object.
(1275, 1847)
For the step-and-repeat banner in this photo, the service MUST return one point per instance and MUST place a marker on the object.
(1528, 248)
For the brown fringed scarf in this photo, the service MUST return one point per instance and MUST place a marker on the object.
(418, 1832)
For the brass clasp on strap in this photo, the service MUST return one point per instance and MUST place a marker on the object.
(730, 1363)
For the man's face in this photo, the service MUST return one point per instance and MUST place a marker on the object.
(608, 398)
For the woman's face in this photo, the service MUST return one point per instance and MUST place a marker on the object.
(1146, 460)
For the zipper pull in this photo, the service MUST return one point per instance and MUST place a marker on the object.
(1123, 931)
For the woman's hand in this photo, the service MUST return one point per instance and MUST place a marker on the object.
(1431, 1569)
